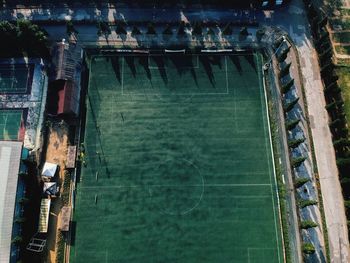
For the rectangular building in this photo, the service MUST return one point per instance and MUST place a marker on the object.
(10, 159)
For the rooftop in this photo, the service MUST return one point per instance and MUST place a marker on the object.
(10, 156)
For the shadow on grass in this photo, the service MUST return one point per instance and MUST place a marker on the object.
(131, 63)
(208, 69)
(116, 67)
(250, 59)
(161, 67)
(235, 60)
(143, 60)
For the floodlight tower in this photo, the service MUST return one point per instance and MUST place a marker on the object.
(266, 66)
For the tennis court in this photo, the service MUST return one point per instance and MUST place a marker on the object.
(10, 123)
(178, 162)
(15, 78)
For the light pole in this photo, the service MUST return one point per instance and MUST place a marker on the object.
(266, 66)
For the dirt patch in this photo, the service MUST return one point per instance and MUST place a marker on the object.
(56, 153)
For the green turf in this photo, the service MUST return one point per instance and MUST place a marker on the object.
(14, 78)
(10, 121)
(179, 165)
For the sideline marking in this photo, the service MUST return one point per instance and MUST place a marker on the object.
(170, 185)
(269, 140)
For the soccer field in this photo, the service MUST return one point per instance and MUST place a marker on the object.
(179, 162)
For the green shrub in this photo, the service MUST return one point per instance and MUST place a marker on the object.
(347, 203)
(20, 220)
(135, 31)
(343, 142)
(227, 30)
(308, 248)
(167, 30)
(343, 162)
(284, 53)
(244, 31)
(17, 240)
(259, 34)
(288, 106)
(331, 106)
(296, 162)
(307, 224)
(300, 182)
(181, 29)
(290, 125)
(197, 29)
(286, 87)
(304, 203)
(120, 30)
(295, 143)
(151, 30)
(285, 70)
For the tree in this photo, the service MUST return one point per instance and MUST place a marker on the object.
(283, 55)
(17, 240)
(120, 30)
(243, 33)
(31, 38)
(288, 106)
(343, 162)
(135, 31)
(327, 68)
(304, 203)
(336, 123)
(342, 142)
(70, 29)
(347, 203)
(285, 70)
(103, 28)
(259, 34)
(23, 200)
(197, 29)
(300, 182)
(333, 87)
(323, 21)
(306, 224)
(167, 30)
(227, 30)
(211, 32)
(20, 220)
(286, 87)
(308, 248)
(297, 161)
(295, 143)
(290, 125)
(181, 29)
(151, 30)
(331, 106)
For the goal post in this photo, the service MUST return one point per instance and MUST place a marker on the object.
(179, 51)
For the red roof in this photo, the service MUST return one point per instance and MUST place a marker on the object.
(68, 98)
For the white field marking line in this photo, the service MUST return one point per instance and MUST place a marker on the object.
(261, 79)
(122, 80)
(226, 74)
(187, 55)
(172, 185)
(177, 94)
